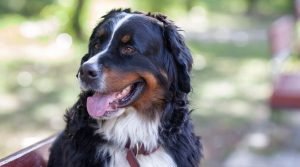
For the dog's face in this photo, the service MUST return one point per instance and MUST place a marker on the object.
(134, 60)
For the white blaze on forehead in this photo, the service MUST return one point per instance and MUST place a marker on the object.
(116, 25)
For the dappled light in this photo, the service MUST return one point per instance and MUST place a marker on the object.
(258, 140)
(35, 29)
(63, 41)
(24, 79)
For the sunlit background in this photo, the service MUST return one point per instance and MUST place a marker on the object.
(42, 42)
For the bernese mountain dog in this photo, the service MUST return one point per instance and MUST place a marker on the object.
(133, 109)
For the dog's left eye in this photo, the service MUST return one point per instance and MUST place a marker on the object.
(127, 50)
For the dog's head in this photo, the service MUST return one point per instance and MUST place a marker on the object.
(134, 60)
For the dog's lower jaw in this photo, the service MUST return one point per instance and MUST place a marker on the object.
(132, 126)
(111, 115)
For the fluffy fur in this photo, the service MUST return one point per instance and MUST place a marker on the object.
(128, 47)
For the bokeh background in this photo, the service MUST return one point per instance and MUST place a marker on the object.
(42, 42)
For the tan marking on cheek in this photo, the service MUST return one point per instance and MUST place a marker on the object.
(116, 81)
(150, 79)
(125, 38)
(150, 99)
(151, 96)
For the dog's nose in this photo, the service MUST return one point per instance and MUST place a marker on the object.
(89, 71)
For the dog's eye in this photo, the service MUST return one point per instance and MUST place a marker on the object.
(127, 50)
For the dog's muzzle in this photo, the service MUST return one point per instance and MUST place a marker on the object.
(89, 72)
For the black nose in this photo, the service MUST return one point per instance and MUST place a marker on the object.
(89, 71)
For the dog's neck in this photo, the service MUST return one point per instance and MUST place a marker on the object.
(131, 126)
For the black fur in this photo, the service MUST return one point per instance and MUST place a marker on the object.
(76, 146)
(79, 146)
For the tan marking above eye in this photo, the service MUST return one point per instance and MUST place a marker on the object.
(100, 32)
(97, 46)
(125, 38)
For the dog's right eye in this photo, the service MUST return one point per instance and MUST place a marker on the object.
(127, 50)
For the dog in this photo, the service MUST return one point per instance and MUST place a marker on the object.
(133, 108)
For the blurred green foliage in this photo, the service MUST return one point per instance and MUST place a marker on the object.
(72, 12)
(23, 7)
(69, 13)
(264, 7)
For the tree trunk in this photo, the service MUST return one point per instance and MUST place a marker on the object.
(251, 6)
(75, 21)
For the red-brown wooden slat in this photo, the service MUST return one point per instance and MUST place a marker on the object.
(286, 86)
(32, 156)
(286, 91)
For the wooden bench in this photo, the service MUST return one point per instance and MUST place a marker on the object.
(32, 156)
(286, 85)
(286, 92)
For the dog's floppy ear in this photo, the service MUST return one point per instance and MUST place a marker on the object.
(180, 52)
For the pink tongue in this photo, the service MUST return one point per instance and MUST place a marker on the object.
(98, 104)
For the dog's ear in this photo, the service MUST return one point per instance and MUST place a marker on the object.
(175, 43)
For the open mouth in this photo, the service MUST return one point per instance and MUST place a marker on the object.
(105, 104)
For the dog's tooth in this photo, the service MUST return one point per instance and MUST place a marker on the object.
(126, 90)
(119, 95)
(123, 93)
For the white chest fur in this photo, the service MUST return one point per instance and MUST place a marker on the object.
(134, 127)
(157, 159)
